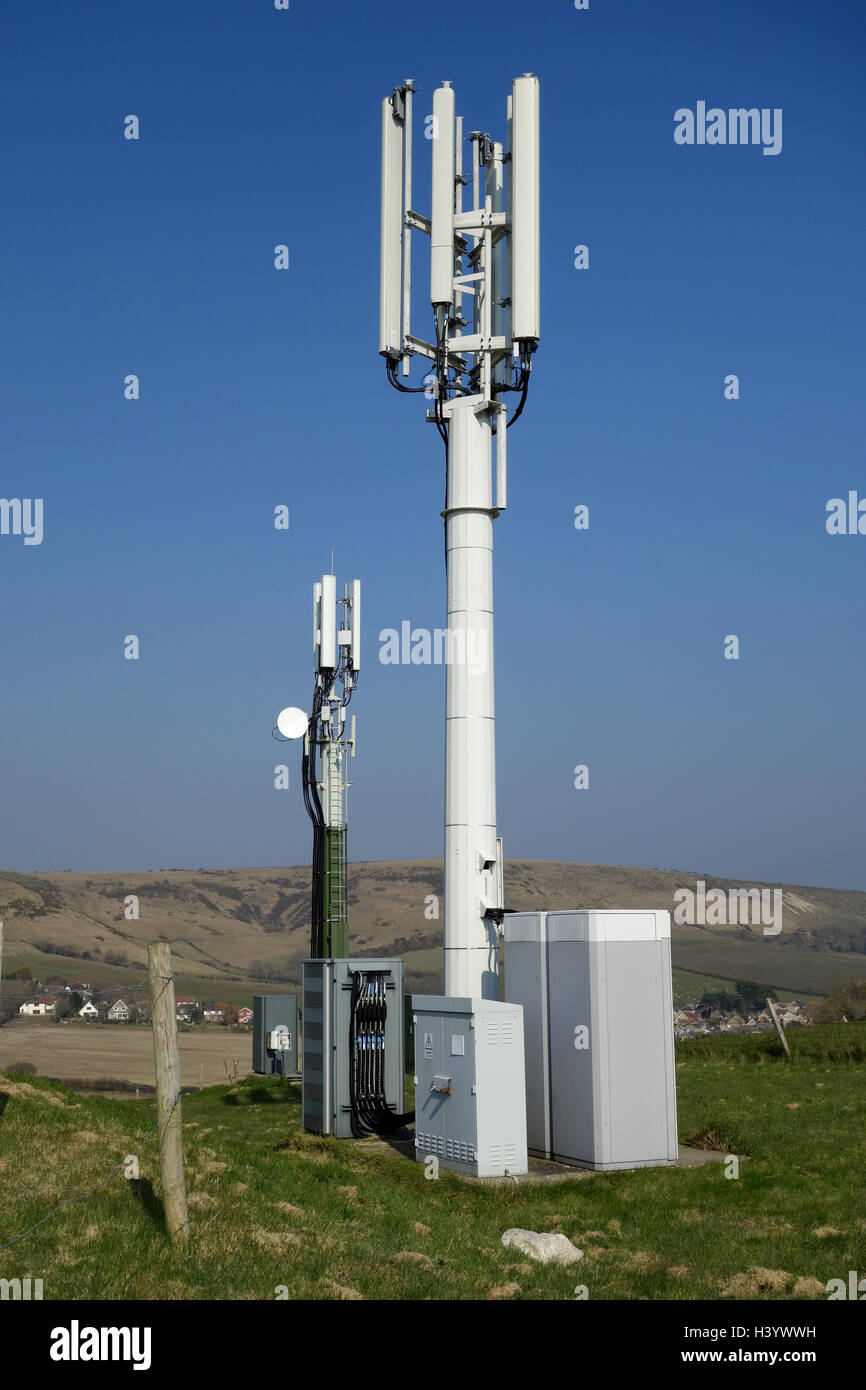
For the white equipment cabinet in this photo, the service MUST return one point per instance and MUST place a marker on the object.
(470, 1109)
(597, 999)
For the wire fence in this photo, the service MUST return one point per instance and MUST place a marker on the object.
(97, 1187)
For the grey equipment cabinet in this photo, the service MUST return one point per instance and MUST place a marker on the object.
(596, 990)
(470, 1110)
(275, 1034)
(326, 1097)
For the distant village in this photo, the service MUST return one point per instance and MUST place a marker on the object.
(714, 1013)
(81, 1000)
(699, 1020)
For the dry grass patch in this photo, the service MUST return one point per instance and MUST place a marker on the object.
(809, 1288)
(341, 1291)
(23, 1088)
(755, 1281)
(276, 1240)
(643, 1260)
(769, 1225)
(288, 1207)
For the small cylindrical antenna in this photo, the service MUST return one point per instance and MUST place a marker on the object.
(495, 191)
(458, 202)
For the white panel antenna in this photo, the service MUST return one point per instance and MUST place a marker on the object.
(525, 209)
(354, 624)
(391, 243)
(317, 626)
(442, 204)
(328, 624)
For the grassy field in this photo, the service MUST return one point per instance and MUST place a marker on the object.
(689, 988)
(273, 1207)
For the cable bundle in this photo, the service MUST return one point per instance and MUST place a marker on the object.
(371, 1113)
(309, 779)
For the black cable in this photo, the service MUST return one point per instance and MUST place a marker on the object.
(370, 1112)
(522, 403)
(391, 369)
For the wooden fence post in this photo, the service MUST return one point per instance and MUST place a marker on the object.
(779, 1029)
(167, 1062)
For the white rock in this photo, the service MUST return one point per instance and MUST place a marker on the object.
(543, 1246)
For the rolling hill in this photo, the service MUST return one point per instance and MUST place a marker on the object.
(234, 930)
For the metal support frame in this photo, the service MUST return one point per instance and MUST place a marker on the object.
(335, 926)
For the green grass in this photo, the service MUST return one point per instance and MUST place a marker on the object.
(688, 988)
(272, 1206)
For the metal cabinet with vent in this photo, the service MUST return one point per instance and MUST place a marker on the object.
(596, 990)
(470, 1101)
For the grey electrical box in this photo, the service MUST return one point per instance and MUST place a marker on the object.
(341, 1054)
(470, 1102)
(597, 998)
(275, 1034)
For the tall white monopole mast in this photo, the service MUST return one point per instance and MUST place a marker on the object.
(484, 294)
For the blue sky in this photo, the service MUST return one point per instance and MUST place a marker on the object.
(259, 387)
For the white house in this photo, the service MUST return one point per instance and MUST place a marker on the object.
(119, 1013)
(40, 1006)
(89, 1011)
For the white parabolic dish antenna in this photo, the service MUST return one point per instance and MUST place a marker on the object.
(292, 722)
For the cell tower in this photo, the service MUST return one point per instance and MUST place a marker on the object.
(353, 1046)
(484, 294)
(337, 653)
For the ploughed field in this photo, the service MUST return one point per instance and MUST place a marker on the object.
(98, 1052)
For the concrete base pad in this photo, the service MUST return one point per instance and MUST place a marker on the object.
(540, 1169)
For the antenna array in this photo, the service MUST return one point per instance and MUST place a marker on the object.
(484, 296)
(484, 258)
